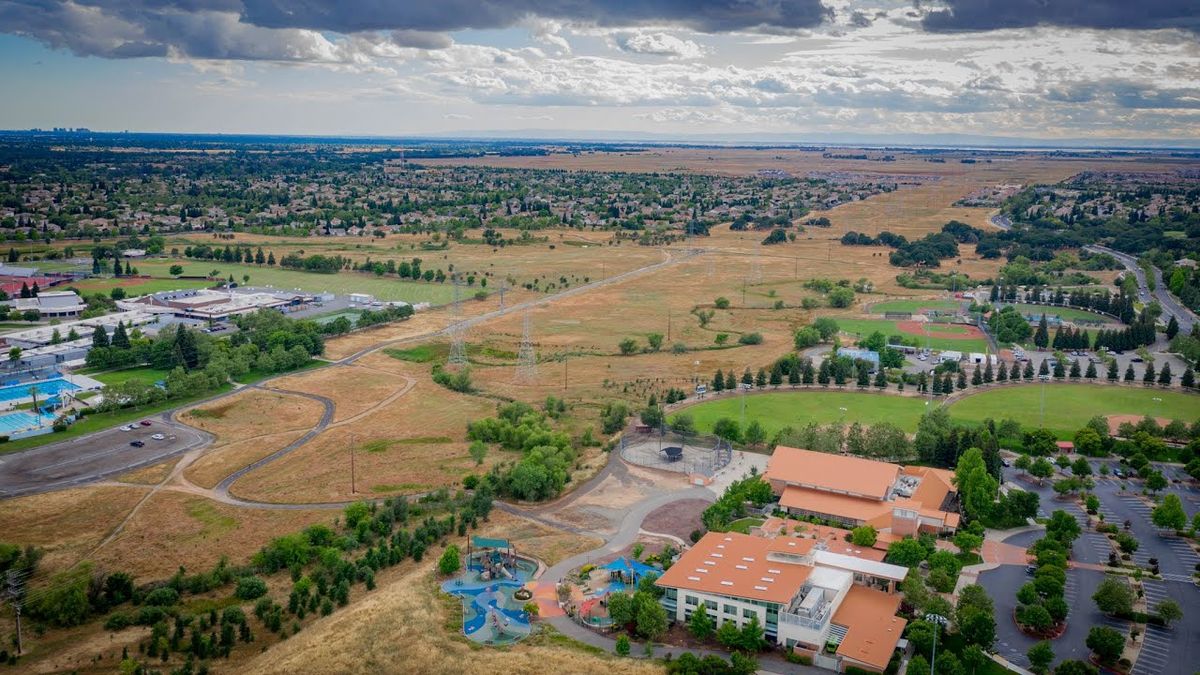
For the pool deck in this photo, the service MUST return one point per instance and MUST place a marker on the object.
(83, 382)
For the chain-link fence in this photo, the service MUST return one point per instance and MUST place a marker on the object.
(671, 451)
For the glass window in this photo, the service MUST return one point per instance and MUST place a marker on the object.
(730, 609)
(711, 604)
(749, 614)
(690, 600)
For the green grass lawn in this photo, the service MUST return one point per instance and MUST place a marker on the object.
(146, 374)
(797, 408)
(914, 306)
(135, 287)
(1064, 313)
(743, 525)
(864, 327)
(383, 288)
(1069, 406)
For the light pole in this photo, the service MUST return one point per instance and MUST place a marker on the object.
(939, 621)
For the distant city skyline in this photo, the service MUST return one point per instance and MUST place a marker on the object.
(1106, 72)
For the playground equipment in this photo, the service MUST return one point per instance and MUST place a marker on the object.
(493, 558)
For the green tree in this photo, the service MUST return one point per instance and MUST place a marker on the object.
(907, 552)
(1106, 643)
(651, 619)
(1169, 611)
(863, 535)
(627, 346)
(1169, 515)
(1041, 655)
(751, 637)
(1113, 596)
(700, 624)
(621, 609)
(449, 562)
(728, 634)
(622, 647)
(755, 435)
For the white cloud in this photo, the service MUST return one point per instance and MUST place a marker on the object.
(659, 44)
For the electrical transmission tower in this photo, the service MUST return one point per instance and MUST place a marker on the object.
(458, 346)
(504, 288)
(526, 357)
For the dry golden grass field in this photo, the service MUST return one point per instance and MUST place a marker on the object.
(408, 434)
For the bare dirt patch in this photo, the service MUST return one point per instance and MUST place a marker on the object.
(953, 332)
(1115, 422)
(677, 518)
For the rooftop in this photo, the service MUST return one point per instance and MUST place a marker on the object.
(826, 471)
(873, 629)
(845, 506)
(736, 565)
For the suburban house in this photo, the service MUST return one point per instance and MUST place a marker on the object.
(840, 609)
(855, 491)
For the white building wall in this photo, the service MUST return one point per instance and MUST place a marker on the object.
(683, 610)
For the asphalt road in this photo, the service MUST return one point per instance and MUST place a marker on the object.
(1170, 306)
(94, 457)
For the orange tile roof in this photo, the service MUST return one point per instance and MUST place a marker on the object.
(843, 506)
(736, 565)
(827, 471)
(873, 629)
(935, 485)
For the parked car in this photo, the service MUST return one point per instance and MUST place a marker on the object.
(158, 437)
(1136, 359)
(137, 444)
(127, 427)
(145, 423)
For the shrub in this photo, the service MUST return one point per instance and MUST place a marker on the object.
(162, 597)
(250, 588)
(118, 621)
(623, 646)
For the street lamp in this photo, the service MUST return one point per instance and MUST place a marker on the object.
(940, 621)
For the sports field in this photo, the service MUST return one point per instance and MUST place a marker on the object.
(914, 306)
(1069, 406)
(797, 408)
(1064, 313)
(941, 336)
(344, 283)
(135, 287)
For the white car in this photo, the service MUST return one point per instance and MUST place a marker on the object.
(158, 437)
(128, 427)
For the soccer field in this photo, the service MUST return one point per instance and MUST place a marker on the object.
(1069, 406)
(797, 408)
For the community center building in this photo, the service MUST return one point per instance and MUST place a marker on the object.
(804, 595)
(856, 491)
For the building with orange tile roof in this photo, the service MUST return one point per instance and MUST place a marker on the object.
(795, 587)
(872, 628)
(855, 491)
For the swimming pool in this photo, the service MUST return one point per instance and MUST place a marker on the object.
(15, 422)
(45, 389)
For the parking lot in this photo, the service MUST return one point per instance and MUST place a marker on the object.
(94, 457)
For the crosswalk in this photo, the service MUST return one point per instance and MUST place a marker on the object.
(1156, 651)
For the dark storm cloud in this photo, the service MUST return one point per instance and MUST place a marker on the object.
(349, 16)
(976, 15)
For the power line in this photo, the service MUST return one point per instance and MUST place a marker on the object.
(526, 356)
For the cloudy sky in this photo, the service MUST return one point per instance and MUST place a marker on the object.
(1098, 69)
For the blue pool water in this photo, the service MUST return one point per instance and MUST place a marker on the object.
(45, 389)
(12, 423)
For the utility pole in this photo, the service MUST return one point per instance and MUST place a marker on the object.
(353, 481)
(564, 372)
(668, 325)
